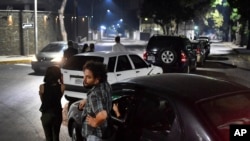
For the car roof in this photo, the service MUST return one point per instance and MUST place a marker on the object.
(105, 53)
(190, 87)
(59, 42)
(168, 36)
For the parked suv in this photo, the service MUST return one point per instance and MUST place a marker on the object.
(172, 53)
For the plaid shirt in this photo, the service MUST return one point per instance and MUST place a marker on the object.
(98, 99)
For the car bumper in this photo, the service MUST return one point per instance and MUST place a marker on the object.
(178, 67)
(42, 66)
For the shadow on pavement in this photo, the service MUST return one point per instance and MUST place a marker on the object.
(37, 73)
(218, 65)
(211, 73)
(218, 57)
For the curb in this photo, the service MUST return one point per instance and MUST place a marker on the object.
(16, 61)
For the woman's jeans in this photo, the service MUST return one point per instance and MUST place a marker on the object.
(51, 124)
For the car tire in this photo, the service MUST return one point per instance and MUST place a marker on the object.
(76, 133)
(168, 56)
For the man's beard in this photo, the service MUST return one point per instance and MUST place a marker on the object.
(88, 86)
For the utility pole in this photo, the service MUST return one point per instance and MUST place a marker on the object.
(35, 26)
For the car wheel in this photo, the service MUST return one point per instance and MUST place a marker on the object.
(168, 56)
(76, 133)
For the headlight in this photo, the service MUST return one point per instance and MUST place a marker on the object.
(57, 59)
(34, 59)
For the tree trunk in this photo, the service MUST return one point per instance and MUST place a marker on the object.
(61, 20)
(248, 40)
(242, 33)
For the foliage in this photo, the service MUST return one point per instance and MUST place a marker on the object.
(243, 10)
(164, 12)
(217, 18)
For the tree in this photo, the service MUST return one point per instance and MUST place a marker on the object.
(61, 19)
(164, 12)
(243, 9)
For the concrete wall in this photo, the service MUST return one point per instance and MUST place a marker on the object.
(16, 40)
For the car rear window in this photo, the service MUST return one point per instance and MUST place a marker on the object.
(162, 41)
(77, 62)
(227, 110)
(195, 45)
(53, 48)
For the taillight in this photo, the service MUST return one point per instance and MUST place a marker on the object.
(145, 55)
(183, 57)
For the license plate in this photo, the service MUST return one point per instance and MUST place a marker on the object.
(151, 58)
(78, 81)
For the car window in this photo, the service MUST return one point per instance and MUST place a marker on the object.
(163, 41)
(53, 48)
(138, 62)
(77, 62)
(226, 110)
(125, 100)
(154, 115)
(111, 64)
(123, 63)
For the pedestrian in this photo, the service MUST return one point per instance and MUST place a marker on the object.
(118, 46)
(51, 92)
(96, 108)
(91, 47)
(85, 48)
(70, 51)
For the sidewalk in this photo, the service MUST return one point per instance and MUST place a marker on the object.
(13, 59)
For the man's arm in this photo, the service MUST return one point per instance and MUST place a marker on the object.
(98, 120)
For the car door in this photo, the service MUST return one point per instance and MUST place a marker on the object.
(141, 67)
(124, 68)
(111, 69)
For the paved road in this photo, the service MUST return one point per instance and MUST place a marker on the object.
(19, 100)
(19, 104)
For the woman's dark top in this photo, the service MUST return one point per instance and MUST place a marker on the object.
(51, 99)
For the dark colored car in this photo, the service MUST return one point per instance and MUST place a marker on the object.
(207, 43)
(199, 48)
(172, 53)
(170, 107)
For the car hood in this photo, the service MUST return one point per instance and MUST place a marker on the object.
(49, 54)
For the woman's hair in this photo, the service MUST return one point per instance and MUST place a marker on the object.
(53, 74)
(98, 69)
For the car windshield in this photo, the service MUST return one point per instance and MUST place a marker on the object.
(227, 110)
(77, 62)
(53, 48)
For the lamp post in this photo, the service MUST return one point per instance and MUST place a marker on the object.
(35, 26)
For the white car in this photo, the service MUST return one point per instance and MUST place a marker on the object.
(120, 65)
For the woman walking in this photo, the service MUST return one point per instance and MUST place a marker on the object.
(51, 92)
